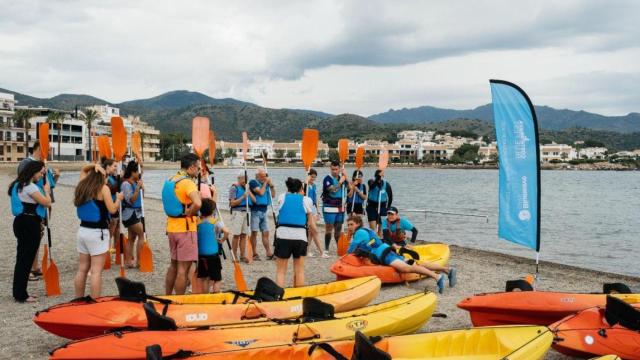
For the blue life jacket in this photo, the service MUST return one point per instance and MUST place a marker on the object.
(312, 193)
(243, 204)
(138, 203)
(112, 183)
(261, 200)
(18, 207)
(50, 180)
(292, 212)
(355, 197)
(331, 199)
(207, 240)
(170, 202)
(374, 246)
(376, 191)
(93, 214)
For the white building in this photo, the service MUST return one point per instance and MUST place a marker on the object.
(150, 137)
(12, 139)
(416, 135)
(593, 153)
(557, 152)
(72, 130)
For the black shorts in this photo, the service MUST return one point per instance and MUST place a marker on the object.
(357, 209)
(284, 248)
(372, 211)
(134, 219)
(209, 266)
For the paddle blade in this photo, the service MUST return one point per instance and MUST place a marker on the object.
(43, 137)
(104, 147)
(45, 259)
(343, 244)
(200, 134)
(310, 139)
(239, 277)
(118, 137)
(212, 147)
(52, 280)
(245, 146)
(383, 160)
(146, 258)
(136, 144)
(343, 149)
(359, 157)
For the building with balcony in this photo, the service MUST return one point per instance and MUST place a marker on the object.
(149, 135)
(72, 131)
(557, 152)
(12, 134)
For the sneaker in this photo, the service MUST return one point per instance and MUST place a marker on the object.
(453, 277)
(440, 284)
(325, 254)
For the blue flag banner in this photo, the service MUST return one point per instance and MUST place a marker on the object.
(519, 157)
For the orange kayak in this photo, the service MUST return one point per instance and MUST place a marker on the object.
(401, 316)
(351, 266)
(531, 307)
(87, 317)
(601, 330)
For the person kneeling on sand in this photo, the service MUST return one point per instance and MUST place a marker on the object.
(367, 241)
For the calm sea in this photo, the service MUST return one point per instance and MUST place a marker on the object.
(589, 218)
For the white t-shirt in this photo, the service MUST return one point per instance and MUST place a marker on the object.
(25, 194)
(288, 233)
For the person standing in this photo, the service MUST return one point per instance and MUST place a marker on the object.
(394, 227)
(379, 199)
(263, 191)
(295, 216)
(132, 189)
(238, 198)
(181, 202)
(332, 209)
(110, 167)
(357, 194)
(209, 266)
(52, 176)
(312, 193)
(28, 203)
(94, 204)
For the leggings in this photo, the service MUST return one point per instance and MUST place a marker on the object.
(26, 228)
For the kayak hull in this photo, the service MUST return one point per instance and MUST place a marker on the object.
(511, 342)
(531, 307)
(87, 318)
(400, 316)
(588, 334)
(351, 266)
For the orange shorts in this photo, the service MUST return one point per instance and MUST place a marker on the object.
(184, 246)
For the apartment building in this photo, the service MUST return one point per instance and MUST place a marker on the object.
(12, 133)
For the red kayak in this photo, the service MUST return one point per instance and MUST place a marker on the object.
(601, 330)
(534, 307)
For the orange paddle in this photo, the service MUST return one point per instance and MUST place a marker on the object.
(310, 139)
(146, 255)
(119, 141)
(359, 157)
(241, 284)
(212, 147)
(343, 153)
(245, 150)
(104, 147)
(200, 134)
(43, 137)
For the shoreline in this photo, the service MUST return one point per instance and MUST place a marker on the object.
(479, 271)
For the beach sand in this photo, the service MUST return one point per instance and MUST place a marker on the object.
(479, 271)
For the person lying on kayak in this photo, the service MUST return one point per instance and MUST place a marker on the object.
(366, 241)
(394, 227)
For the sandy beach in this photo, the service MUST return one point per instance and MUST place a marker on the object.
(479, 271)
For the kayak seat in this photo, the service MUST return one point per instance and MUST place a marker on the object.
(131, 290)
(616, 288)
(314, 309)
(267, 290)
(414, 254)
(157, 321)
(154, 352)
(619, 312)
(364, 348)
(519, 284)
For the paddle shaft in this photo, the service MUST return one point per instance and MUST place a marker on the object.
(273, 211)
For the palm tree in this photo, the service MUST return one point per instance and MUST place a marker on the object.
(89, 116)
(56, 118)
(22, 117)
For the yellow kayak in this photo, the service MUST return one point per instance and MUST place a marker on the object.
(490, 343)
(607, 357)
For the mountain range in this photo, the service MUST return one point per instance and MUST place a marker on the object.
(173, 111)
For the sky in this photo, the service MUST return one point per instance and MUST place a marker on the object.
(362, 57)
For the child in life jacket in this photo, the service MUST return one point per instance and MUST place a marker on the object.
(211, 234)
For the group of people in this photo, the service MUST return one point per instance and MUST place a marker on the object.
(106, 201)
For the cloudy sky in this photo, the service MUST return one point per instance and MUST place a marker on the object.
(361, 57)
